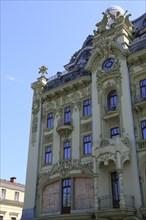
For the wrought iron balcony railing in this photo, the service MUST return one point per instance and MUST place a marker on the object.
(106, 202)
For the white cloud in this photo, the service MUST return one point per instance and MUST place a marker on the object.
(11, 78)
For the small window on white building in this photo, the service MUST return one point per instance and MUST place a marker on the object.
(16, 198)
(13, 218)
(1, 217)
(3, 195)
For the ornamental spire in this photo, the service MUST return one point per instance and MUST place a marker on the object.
(43, 70)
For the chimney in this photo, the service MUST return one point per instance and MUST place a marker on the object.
(13, 179)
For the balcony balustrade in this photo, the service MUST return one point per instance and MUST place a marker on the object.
(110, 111)
(141, 144)
(110, 108)
(11, 202)
(106, 202)
(64, 128)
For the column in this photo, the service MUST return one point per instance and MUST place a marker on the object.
(95, 182)
(122, 198)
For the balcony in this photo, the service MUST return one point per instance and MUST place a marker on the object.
(11, 202)
(64, 128)
(106, 202)
(110, 111)
(106, 208)
(141, 145)
(116, 149)
(139, 102)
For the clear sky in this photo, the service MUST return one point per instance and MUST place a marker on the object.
(36, 33)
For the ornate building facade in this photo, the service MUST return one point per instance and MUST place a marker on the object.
(11, 199)
(87, 150)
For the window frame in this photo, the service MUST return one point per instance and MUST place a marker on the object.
(67, 115)
(143, 129)
(87, 145)
(16, 196)
(50, 120)
(116, 133)
(67, 150)
(115, 189)
(3, 193)
(112, 100)
(142, 85)
(66, 195)
(48, 155)
(87, 107)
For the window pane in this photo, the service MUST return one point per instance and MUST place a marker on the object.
(114, 132)
(67, 115)
(143, 88)
(66, 192)
(3, 193)
(112, 100)
(87, 145)
(86, 107)
(48, 155)
(143, 127)
(16, 196)
(50, 120)
(67, 150)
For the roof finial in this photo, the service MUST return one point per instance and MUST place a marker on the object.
(43, 70)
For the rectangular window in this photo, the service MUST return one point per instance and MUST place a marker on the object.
(143, 129)
(67, 149)
(13, 218)
(87, 145)
(86, 107)
(143, 88)
(67, 115)
(48, 155)
(1, 217)
(115, 189)
(3, 195)
(66, 196)
(114, 132)
(16, 198)
(50, 120)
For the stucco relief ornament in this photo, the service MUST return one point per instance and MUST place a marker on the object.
(114, 70)
(49, 106)
(36, 107)
(65, 166)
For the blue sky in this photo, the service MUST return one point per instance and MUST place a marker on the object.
(36, 33)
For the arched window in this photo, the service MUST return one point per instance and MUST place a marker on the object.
(112, 100)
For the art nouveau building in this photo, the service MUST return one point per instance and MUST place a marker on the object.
(87, 150)
(11, 199)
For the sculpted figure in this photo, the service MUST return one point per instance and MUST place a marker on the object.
(103, 23)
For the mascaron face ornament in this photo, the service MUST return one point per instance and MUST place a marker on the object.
(108, 64)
